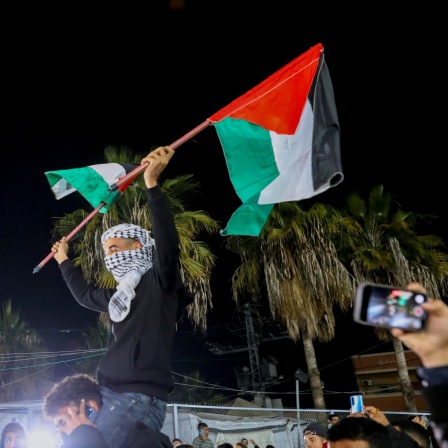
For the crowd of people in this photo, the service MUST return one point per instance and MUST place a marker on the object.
(202, 441)
(370, 429)
(125, 405)
(373, 428)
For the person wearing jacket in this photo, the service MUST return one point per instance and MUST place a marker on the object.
(135, 372)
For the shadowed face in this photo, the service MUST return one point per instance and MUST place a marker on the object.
(14, 440)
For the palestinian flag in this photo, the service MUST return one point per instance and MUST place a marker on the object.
(91, 182)
(281, 141)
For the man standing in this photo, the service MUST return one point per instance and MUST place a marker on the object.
(202, 440)
(135, 372)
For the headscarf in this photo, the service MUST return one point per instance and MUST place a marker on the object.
(127, 267)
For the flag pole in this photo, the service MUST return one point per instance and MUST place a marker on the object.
(121, 185)
(136, 171)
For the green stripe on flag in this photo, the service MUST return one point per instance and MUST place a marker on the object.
(251, 164)
(248, 219)
(85, 180)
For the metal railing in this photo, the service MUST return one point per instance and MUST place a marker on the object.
(279, 427)
(266, 426)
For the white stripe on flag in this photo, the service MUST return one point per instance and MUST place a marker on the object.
(110, 172)
(62, 188)
(293, 156)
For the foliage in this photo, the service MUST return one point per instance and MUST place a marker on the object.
(295, 260)
(20, 372)
(382, 244)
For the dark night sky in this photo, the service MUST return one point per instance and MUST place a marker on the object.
(75, 81)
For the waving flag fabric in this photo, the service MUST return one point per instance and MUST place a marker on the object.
(91, 182)
(281, 141)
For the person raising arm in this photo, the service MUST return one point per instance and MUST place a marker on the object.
(135, 372)
(431, 346)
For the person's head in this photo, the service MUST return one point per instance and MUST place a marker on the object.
(14, 435)
(203, 429)
(414, 430)
(240, 445)
(124, 237)
(333, 418)
(225, 445)
(128, 256)
(69, 392)
(245, 441)
(359, 432)
(314, 435)
(176, 442)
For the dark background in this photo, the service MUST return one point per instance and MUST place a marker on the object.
(76, 79)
